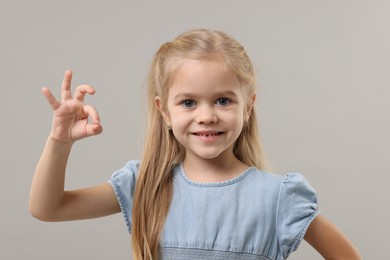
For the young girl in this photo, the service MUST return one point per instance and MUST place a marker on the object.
(201, 190)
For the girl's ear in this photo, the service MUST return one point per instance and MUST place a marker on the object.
(160, 107)
(250, 105)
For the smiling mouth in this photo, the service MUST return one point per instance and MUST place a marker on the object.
(208, 134)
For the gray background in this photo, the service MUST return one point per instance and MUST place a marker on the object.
(323, 96)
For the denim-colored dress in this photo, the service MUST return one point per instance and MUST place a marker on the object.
(256, 215)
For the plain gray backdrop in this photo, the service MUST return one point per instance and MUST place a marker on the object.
(323, 100)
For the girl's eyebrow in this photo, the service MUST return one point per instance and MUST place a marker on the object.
(183, 95)
(227, 93)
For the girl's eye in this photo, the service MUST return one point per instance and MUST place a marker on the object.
(188, 103)
(223, 101)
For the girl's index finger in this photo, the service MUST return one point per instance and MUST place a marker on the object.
(66, 83)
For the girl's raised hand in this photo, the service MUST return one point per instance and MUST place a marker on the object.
(70, 120)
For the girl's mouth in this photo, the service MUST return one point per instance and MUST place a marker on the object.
(207, 134)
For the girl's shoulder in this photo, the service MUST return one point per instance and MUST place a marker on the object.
(257, 176)
(130, 169)
(292, 187)
(287, 180)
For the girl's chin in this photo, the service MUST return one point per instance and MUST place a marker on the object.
(209, 155)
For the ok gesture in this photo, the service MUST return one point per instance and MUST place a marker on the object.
(72, 120)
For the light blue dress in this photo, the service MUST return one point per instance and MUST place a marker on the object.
(256, 215)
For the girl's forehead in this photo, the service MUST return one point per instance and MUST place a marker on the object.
(202, 71)
(191, 64)
(198, 77)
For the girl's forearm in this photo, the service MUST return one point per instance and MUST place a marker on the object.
(47, 191)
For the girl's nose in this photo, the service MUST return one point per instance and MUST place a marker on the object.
(206, 115)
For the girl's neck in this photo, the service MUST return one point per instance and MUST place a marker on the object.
(213, 170)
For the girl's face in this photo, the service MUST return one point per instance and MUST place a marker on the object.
(206, 109)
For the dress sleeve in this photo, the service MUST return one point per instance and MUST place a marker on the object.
(123, 184)
(297, 208)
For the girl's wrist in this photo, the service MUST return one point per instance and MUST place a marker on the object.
(59, 143)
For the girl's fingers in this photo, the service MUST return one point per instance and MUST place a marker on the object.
(93, 114)
(94, 127)
(81, 90)
(66, 82)
(50, 98)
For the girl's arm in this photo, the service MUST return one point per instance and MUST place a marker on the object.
(48, 200)
(329, 241)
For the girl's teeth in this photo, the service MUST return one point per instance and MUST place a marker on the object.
(207, 135)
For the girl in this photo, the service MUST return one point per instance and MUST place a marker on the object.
(201, 190)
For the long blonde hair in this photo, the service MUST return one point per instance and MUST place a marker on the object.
(154, 188)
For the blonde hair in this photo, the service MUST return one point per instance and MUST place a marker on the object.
(153, 192)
